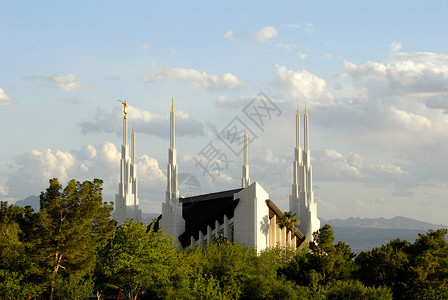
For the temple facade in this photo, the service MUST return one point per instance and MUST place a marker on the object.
(242, 215)
(126, 201)
(301, 201)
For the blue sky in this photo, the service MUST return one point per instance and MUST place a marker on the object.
(374, 75)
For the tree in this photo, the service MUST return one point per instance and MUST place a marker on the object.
(385, 266)
(356, 290)
(330, 262)
(322, 263)
(288, 220)
(136, 260)
(14, 262)
(412, 271)
(12, 250)
(428, 257)
(71, 224)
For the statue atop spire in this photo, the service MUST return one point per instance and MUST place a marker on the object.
(125, 108)
(126, 201)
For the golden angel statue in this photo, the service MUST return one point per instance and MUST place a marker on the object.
(125, 107)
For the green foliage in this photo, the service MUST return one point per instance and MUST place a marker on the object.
(385, 266)
(206, 288)
(74, 287)
(12, 250)
(322, 263)
(71, 248)
(412, 271)
(135, 261)
(288, 220)
(62, 238)
(355, 290)
(13, 286)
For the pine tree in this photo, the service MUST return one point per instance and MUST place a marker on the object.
(71, 224)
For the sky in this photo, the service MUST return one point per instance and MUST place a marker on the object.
(374, 75)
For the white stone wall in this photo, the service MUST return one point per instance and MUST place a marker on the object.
(252, 217)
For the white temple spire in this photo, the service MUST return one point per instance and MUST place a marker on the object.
(172, 188)
(172, 220)
(301, 201)
(297, 127)
(245, 180)
(306, 145)
(172, 125)
(133, 145)
(126, 201)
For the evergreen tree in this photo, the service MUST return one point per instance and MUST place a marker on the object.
(136, 261)
(412, 271)
(71, 224)
(322, 263)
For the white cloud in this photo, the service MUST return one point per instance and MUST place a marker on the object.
(301, 55)
(67, 82)
(230, 35)
(196, 79)
(412, 78)
(144, 46)
(265, 34)
(332, 165)
(285, 46)
(3, 190)
(307, 27)
(301, 84)
(395, 47)
(149, 173)
(145, 122)
(426, 57)
(409, 120)
(36, 168)
(4, 99)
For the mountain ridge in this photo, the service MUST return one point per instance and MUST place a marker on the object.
(398, 222)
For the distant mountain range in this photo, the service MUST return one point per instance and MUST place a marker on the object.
(360, 233)
(33, 201)
(366, 234)
(383, 223)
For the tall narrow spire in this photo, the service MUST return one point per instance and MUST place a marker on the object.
(306, 132)
(172, 220)
(172, 125)
(245, 180)
(301, 200)
(297, 127)
(245, 146)
(133, 144)
(172, 191)
(126, 201)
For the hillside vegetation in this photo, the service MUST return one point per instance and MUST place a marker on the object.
(71, 249)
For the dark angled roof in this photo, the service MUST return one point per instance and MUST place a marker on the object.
(273, 209)
(202, 211)
(211, 196)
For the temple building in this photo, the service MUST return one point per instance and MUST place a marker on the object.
(301, 201)
(246, 214)
(126, 201)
